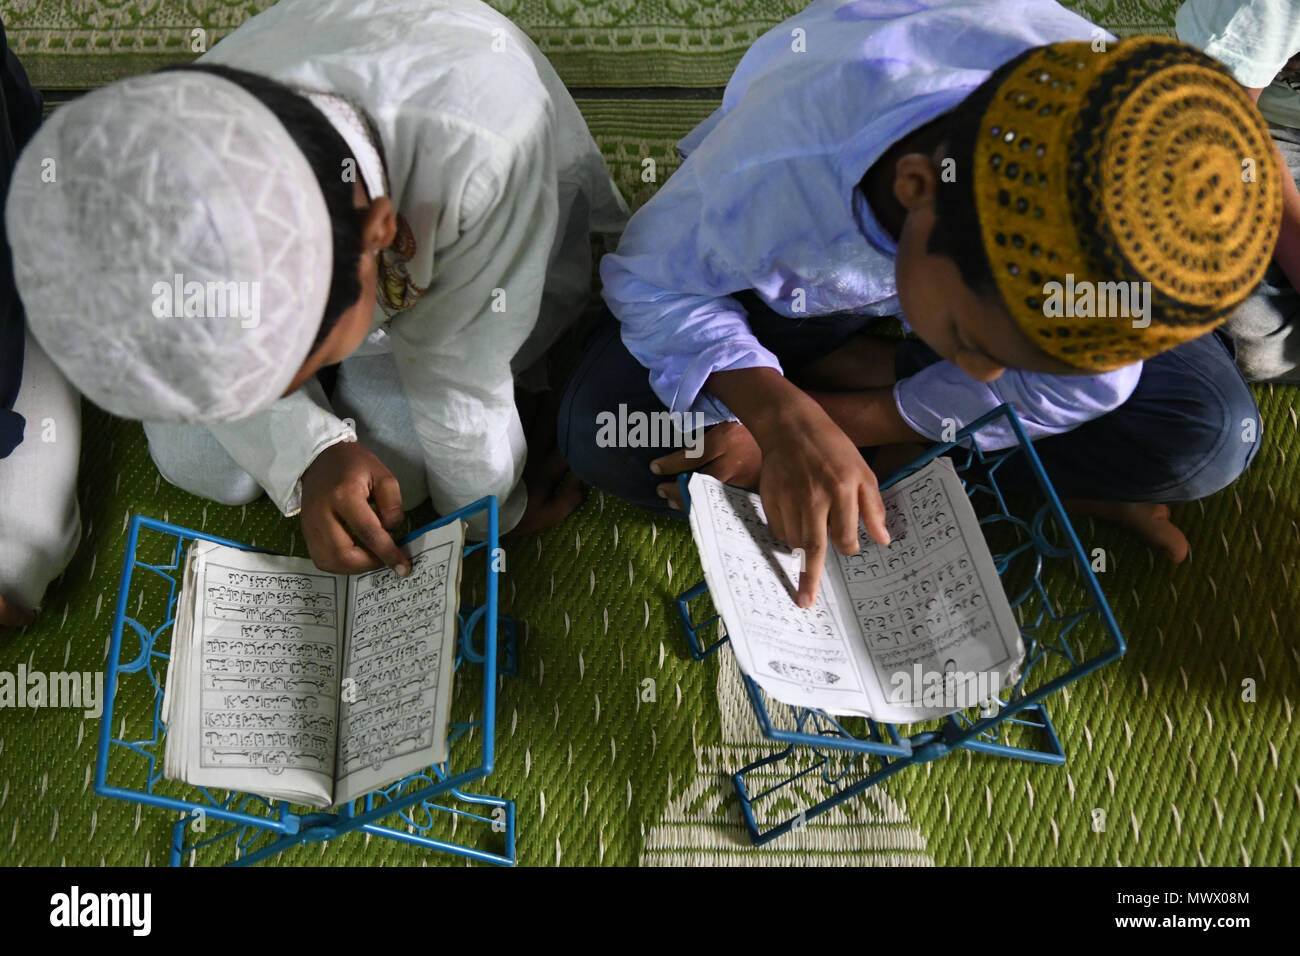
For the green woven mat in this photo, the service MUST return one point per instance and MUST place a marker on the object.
(1160, 742)
(591, 42)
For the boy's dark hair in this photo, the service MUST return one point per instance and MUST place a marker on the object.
(325, 151)
(957, 233)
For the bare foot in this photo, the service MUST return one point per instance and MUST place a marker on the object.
(1149, 521)
(13, 614)
(553, 493)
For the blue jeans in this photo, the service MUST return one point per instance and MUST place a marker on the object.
(1178, 437)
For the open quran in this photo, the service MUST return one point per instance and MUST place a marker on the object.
(294, 683)
(912, 631)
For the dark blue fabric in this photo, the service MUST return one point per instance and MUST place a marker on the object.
(20, 115)
(1190, 428)
(11, 431)
(1180, 436)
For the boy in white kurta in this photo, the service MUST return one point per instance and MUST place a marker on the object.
(477, 187)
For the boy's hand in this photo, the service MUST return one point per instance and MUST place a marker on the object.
(349, 500)
(14, 615)
(813, 481)
(728, 453)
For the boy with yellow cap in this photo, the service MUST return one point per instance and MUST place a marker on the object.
(1062, 218)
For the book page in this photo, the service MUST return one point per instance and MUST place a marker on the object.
(807, 658)
(398, 663)
(931, 608)
(927, 606)
(255, 702)
(178, 655)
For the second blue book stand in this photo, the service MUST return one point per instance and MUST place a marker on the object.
(247, 828)
(1067, 626)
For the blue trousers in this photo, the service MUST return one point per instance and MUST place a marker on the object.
(1183, 433)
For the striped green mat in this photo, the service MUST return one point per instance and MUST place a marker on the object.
(591, 42)
(1163, 751)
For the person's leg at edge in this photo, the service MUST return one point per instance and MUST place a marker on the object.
(1266, 327)
(40, 521)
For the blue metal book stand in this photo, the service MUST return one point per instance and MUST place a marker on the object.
(247, 828)
(1067, 626)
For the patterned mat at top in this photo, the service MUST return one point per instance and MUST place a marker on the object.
(688, 43)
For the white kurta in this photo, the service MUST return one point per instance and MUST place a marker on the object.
(40, 520)
(491, 166)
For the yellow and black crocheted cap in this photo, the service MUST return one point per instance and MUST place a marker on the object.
(1146, 163)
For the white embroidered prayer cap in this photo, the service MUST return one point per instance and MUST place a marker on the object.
(347, 122)
(176, 189)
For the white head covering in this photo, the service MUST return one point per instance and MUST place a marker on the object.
(172, 248)
(347, 122)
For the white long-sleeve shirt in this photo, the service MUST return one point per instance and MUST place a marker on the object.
(1253, 38)
(1258, 41)
(492, 167)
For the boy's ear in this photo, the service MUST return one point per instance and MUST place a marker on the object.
(916, 180)
(380, 226)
